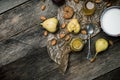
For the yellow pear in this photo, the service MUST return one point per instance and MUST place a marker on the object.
(50, 24)
(73, 26)
(101, 45)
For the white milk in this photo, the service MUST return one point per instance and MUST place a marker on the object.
(111, 22)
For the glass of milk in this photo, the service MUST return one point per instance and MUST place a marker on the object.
(110, 21)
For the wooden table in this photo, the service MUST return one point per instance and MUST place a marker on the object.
(22, 43)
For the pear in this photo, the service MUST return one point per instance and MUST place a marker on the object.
(73, 26)
(50, 24)
(100, 45)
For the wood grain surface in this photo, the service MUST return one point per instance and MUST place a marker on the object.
(23, 24)
(21, 35)
(37, 65)
(8, 4)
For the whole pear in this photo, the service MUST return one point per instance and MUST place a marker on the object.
(50, 24)
(101, 45)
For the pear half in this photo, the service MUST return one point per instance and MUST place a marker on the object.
(73, 26)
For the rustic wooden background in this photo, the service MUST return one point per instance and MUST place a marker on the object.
(22, 24)
(8, 4)
(22, 43)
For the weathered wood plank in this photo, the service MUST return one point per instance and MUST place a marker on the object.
(18, 24)
(8, 4)
(11, 50)
(33, 37)
(112, 75)
(29, 65)
(39, 66)
(23, 17)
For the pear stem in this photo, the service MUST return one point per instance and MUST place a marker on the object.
(96, 55)
(93, 59)
(41, 23)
